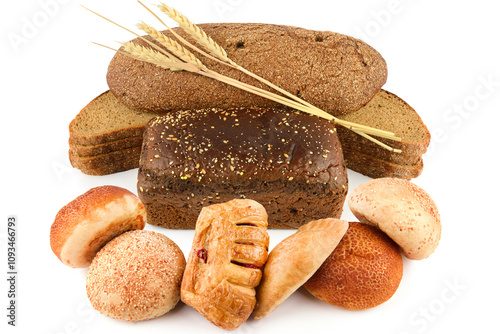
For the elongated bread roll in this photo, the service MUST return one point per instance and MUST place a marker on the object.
(334, 72)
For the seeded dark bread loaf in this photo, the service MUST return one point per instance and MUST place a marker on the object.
(288, 161)
(337, 73)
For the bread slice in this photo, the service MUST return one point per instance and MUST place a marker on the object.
(95, 150)
(377, 168)
(386, 111)
(105, 119)
(109, 163)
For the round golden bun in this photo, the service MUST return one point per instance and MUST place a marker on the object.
(363, 271)
(402, 210)
(136, 276)
(83, 226)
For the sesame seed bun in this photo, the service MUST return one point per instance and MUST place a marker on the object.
(362, 272)
(136, 276)
(83, 226)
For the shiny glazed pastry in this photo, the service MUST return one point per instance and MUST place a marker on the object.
(229, 248)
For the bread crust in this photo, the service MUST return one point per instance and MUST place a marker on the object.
(363, 271)
(294, 260)
(403, 210)
(136, 276)
(334, 72)
(88, 222)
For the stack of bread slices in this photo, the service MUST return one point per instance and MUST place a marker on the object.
(106, 137)
(345, 81)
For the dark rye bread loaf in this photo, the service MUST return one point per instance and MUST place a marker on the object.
(334, 72)
(288, 161)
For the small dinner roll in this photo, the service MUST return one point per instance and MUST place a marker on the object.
(136, 276)
(83, 226)
(404, 211)
(363, 271)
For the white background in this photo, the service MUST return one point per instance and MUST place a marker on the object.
(443, 60)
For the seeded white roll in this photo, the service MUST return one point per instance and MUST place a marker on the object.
(83, 226)
(403, 210)
(136, 276)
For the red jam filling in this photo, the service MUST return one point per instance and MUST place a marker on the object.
(202, 254)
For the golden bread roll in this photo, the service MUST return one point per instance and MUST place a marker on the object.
(294, 260)
(136, 276)
(404, 211)
(363, 271)
(229, 248)
(83, 226)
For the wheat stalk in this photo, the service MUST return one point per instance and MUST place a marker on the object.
(183, 59)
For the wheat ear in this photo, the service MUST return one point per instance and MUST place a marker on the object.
(173, 46)
(146, 54)
(196, 32)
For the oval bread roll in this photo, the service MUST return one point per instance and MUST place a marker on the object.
(363, 271)
(404, 211)
(294, 260)
(83, 226)
(136, 276)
